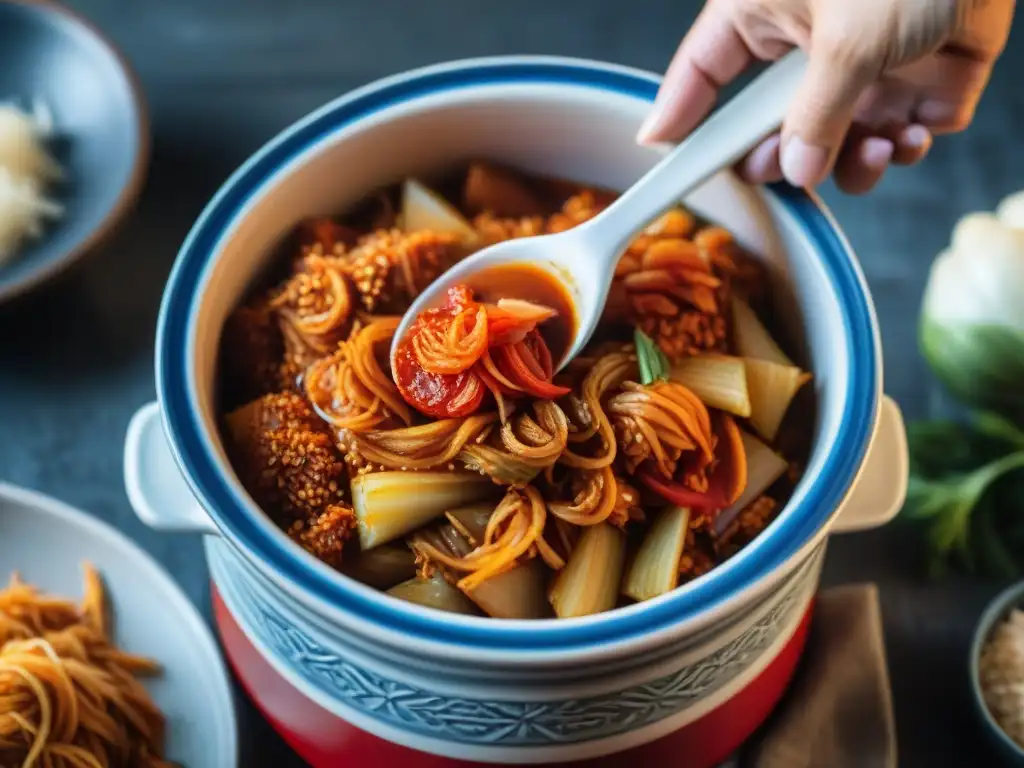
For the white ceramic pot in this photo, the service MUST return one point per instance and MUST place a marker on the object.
(389, 672)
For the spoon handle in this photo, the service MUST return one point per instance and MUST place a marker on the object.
(717, 143)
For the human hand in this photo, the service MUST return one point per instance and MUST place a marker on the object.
(883, 77)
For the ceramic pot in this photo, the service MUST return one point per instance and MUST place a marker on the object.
(347, 673)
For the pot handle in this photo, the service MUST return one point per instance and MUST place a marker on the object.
(156, 490)
(881, 487)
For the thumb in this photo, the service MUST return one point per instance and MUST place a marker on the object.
(838, 72)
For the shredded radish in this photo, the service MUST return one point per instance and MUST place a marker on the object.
(527, 310)
(25, 168)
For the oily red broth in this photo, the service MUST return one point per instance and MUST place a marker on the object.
(537, 285)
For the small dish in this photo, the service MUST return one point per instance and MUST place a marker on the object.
(51, 56)
(47, 542)
(997, 610)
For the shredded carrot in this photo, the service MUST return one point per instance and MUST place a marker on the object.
(454, 350)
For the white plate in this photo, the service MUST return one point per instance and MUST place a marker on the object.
(47, 542)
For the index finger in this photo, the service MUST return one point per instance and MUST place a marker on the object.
(711, 55)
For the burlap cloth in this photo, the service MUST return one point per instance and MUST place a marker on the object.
(838, 711)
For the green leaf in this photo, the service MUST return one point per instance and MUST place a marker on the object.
(983, 365)
(643, 362)
(951, 528)
(999, 428)
(950, 504)
(1007, 498)
(653, 363)
(663, 362)
(927, 498)
(941, 448)
(1002, 510)
(978, 481)
(991, 549)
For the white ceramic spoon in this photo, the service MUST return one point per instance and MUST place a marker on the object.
(584, 258)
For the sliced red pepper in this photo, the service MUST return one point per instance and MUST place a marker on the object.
(725, 483)
(517, 363)
(679, 494)
(505, 328)
(536, 345)
(492, 383)
(515, 345)
(528, 351)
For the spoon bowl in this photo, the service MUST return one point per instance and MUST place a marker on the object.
(567, 257)
(583, 259)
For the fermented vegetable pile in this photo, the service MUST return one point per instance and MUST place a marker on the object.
(468, 473)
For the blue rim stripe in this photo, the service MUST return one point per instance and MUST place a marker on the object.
(230, 512)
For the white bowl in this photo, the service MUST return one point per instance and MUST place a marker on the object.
(569, 687)
(47, 542)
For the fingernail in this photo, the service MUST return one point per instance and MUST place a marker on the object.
(762, 164)
(651, 123)
(916, 137)
(876, 153)
(654, 123)
(935, 111)
(803, 164)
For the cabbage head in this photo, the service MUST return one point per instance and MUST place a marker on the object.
(972, 320)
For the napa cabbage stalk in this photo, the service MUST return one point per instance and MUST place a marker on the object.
(972, 323)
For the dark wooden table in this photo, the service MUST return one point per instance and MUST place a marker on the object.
(223, 76)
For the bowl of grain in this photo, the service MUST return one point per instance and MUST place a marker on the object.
(74, 141)
(997, 672)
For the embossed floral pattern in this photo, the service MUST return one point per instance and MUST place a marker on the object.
(508, 723)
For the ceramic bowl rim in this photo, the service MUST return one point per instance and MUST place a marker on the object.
(994, 612)
(237, 518)
(107, 225)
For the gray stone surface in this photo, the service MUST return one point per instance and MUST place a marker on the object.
(222, 76)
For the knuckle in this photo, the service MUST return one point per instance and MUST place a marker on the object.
(756, 23)
(846, 50)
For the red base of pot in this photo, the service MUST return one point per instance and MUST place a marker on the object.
(326, 741)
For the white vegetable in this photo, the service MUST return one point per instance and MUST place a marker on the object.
(23, 149)
(518, 593)
(1011, 210)
(434, 592)
(589, 583)
(751, 336)
(655, 569)
(718, 380)
(972, 323)
(25, 168)
(764, 467)
(422, 208)
(383, 567)
(772, 388)
(471, 521)
(23, 211)
(391, 504)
